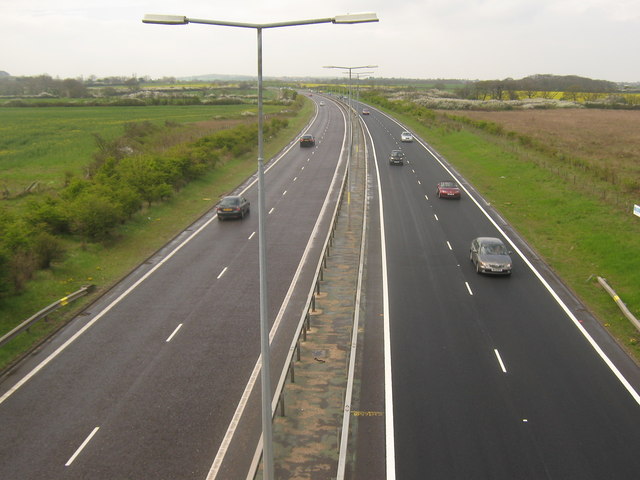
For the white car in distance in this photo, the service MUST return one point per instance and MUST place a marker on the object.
(406, 137)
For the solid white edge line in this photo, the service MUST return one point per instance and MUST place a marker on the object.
(173, 334)
(500, 360)
(388, 378)
(542, 280)
(344, 434)
(81, 447)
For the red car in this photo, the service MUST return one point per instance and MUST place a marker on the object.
(448, 190)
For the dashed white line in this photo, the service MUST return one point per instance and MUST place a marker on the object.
(173, 334)
(468, 288)
(419, 182)
(270, 211)
(504, 370)
(81, 447)
(449, 245)
(295, 178)
(426, 197)
(251, 236)
(284, 193)
(222, 272)
(436, 217)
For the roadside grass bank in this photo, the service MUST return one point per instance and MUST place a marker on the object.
(105, 263)
(579, 235)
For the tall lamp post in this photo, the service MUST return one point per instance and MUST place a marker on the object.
(267, 452)
(350, 69)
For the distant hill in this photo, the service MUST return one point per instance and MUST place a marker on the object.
(4, 74)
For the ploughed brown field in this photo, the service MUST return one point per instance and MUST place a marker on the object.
(611, 136)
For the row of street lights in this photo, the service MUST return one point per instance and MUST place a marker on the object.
(267, 452)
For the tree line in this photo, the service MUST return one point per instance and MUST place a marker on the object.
(535, 86)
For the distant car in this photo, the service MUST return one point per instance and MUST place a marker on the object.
(365, 112)
(322, 104)
(232, 206)
(490, 255)
(448, 190)
(307, 141)
(406, 137)
(396, 157)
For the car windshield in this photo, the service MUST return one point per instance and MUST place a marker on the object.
(448, 185)
(494, 249)
(230, 202)
(397, 153)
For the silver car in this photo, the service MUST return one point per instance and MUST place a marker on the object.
(406, 137)
(490, 255)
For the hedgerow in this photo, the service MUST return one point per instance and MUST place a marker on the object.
(125, 177)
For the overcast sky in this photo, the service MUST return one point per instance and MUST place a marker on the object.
(464, 39)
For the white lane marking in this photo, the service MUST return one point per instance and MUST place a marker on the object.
(284, 193)
(303, 167)
(468, 288)
(504, 370)
(413, 170)
(295, 178)
(173, 334)
(270, 211)
(449, 245)
(436, 217)
(251, 236)
(426, 197)
(419, 182)
(81, 447)
(222, 273)
(388, 377)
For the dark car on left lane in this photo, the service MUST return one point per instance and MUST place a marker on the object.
(232, 206)
(307, 140)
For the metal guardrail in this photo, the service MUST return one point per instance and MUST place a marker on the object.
(46, 311)
(304, 323)
(627, 313)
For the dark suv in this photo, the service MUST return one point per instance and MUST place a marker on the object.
(396, 157)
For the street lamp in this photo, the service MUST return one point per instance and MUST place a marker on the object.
(350, 69)
(267, 452)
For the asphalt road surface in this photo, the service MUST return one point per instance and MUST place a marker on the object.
(491, 377)
(150, 381)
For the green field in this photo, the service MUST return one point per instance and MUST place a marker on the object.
(44, 144)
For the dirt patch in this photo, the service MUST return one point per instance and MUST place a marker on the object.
(611, 136)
